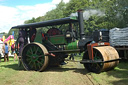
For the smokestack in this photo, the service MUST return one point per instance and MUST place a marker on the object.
(81, 24)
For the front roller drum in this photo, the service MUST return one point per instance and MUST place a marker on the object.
(34, 58)
(104, 53)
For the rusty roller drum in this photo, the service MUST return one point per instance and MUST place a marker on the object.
(104, 53)
(34, 58)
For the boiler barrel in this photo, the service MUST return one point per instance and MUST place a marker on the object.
(72, 46)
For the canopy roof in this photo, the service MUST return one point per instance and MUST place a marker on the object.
(48, 23)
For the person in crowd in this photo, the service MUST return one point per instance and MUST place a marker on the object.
(21, 38)
(71, 56)
(32, 34)
(79, 53)
(5, 50)
(14, 52)
(12, 48)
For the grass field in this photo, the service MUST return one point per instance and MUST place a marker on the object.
(118, 76)
(11, 74)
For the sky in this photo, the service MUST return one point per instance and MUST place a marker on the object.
(15, 12)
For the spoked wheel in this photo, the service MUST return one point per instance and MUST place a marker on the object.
(33, 57)
(103, 53)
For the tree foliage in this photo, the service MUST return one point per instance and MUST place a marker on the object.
(106, 14)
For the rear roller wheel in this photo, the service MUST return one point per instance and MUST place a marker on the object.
(33, 57)
(103, 53)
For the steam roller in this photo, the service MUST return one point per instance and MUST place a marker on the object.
(99, 58)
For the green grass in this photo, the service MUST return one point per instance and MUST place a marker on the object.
(8, 70)
(116, 76)
(11, 74)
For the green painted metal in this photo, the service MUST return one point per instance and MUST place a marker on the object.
(74, 18)
(38, 37)
(72, 46)
(57, 39)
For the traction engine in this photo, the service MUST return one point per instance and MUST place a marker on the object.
(51, 48)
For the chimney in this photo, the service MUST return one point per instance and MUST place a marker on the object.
(81, 24)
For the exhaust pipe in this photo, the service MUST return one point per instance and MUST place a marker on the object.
(81, 24)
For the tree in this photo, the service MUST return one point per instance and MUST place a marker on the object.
(115, 13)
(75, 5)
(56, 13)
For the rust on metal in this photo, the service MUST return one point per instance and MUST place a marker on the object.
(91, 45)
(108, 53)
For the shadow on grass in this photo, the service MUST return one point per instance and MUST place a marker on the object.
(121, 73)
(121, 82)
(64, 68)
(49, 69)
(6, 61)
(60, 69)
(13, 66)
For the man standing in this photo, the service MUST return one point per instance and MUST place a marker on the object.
(22, 35)
(5, 50)
(32, 34)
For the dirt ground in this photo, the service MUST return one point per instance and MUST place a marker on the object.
(73, 73)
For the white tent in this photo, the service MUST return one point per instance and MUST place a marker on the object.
(1, 43)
